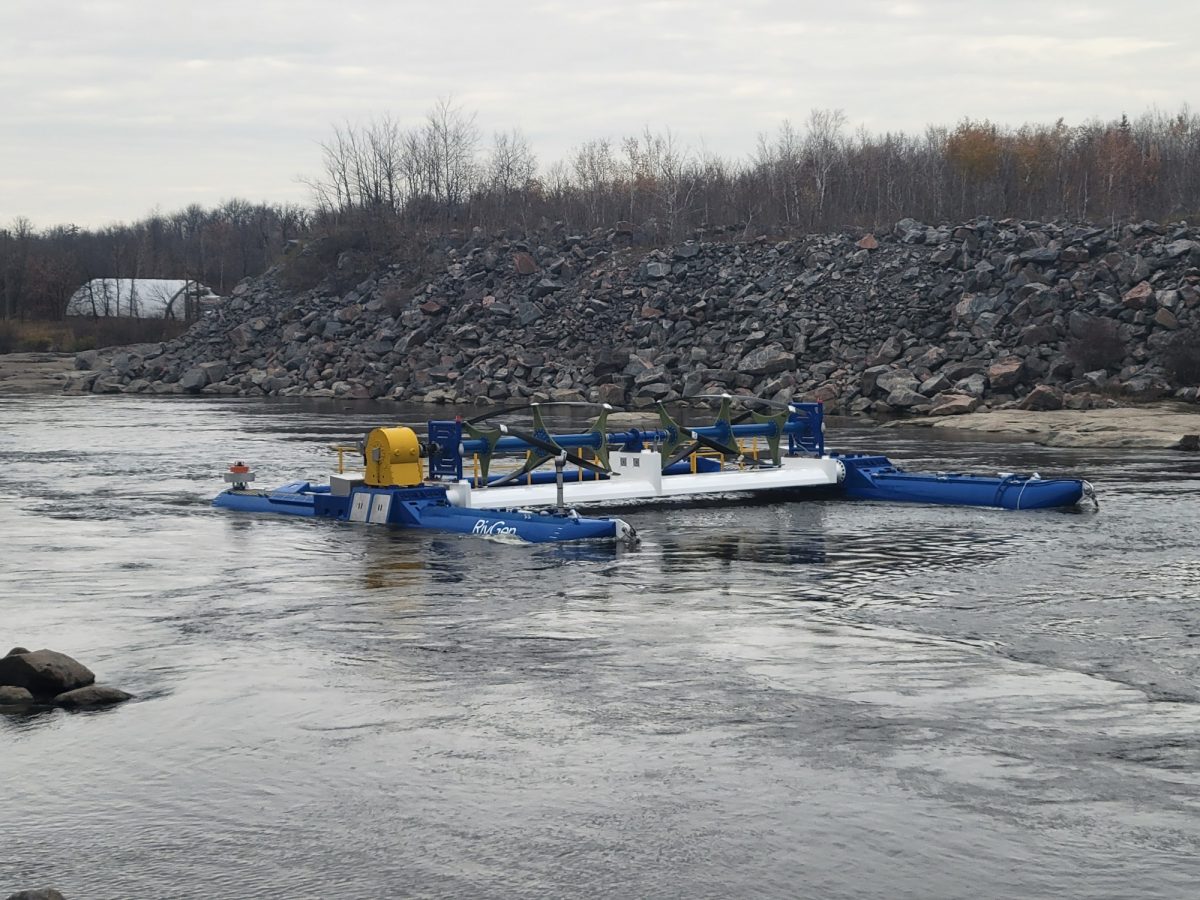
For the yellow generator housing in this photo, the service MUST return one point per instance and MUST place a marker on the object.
(393, 458)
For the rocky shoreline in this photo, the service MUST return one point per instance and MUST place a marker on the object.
(23, 373)
(943, 320)
(1156, 426)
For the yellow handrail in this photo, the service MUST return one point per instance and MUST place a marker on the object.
(341, 451)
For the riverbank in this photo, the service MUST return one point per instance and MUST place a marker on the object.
(26, 373)
(912, 320)
(1164, 425)
(1158, 426)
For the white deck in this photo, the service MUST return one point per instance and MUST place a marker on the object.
(641, 478)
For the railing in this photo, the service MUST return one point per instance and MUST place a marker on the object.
(341, 450)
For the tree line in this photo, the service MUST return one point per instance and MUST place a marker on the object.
(382, 184)
(816, 177)
(41, 269)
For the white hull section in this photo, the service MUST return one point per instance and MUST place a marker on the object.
(641, 478)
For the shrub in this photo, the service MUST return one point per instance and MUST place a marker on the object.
(301, 272)
(343, 255)
(1097, 345)
(1183, 357)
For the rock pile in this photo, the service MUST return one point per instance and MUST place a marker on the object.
(923, 319)
(46, 677)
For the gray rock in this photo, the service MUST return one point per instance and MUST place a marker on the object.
(1040, 256)
(194, 380)
(612, 394)
(14, 696)
(954, 405)
(1179, 248)
(910, 231)
(1006, 374)
(934, 384)
(1042, 397)
(973, 385)
(38, 894)
(972, 306)
(888, 351)
(545, 287)
(904, 398)
(44, 673)
(896, 380)
(767, 361)
(1166, 319)
(1144, 388)
(92, 695)
(869, 380)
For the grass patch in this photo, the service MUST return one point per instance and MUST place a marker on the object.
(76, 334)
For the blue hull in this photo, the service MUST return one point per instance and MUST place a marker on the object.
(420, 507)
(876, 478)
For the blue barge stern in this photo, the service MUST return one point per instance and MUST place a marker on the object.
(870, 477)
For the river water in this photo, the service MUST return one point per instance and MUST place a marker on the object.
(812, 699)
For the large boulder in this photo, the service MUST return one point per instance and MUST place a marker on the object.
(767, 361)
(38, 894)
(897, 379)
(92, 695)
(44, 673)
(612, 394)
(974, 385)
(1144, 388)
(910, 231)
(214, 371)
(888, 352)
(1176, 249)
(1138, 295)
(1006, 373)
(953, 405)
(905, 398)
(14, 696)
(1042, 397)
(194, 380)
(866, 383)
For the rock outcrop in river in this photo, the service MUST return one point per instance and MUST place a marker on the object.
(48, 678)
(922, 319)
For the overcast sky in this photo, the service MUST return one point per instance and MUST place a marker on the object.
(110, 108)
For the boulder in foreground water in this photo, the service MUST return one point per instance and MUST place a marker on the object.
(14, 696)
(44, 673)
(39, 894)
(92, 695)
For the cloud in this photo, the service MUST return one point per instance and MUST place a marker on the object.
(113, 108)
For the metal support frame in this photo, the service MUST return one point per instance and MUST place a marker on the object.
(805, 430)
